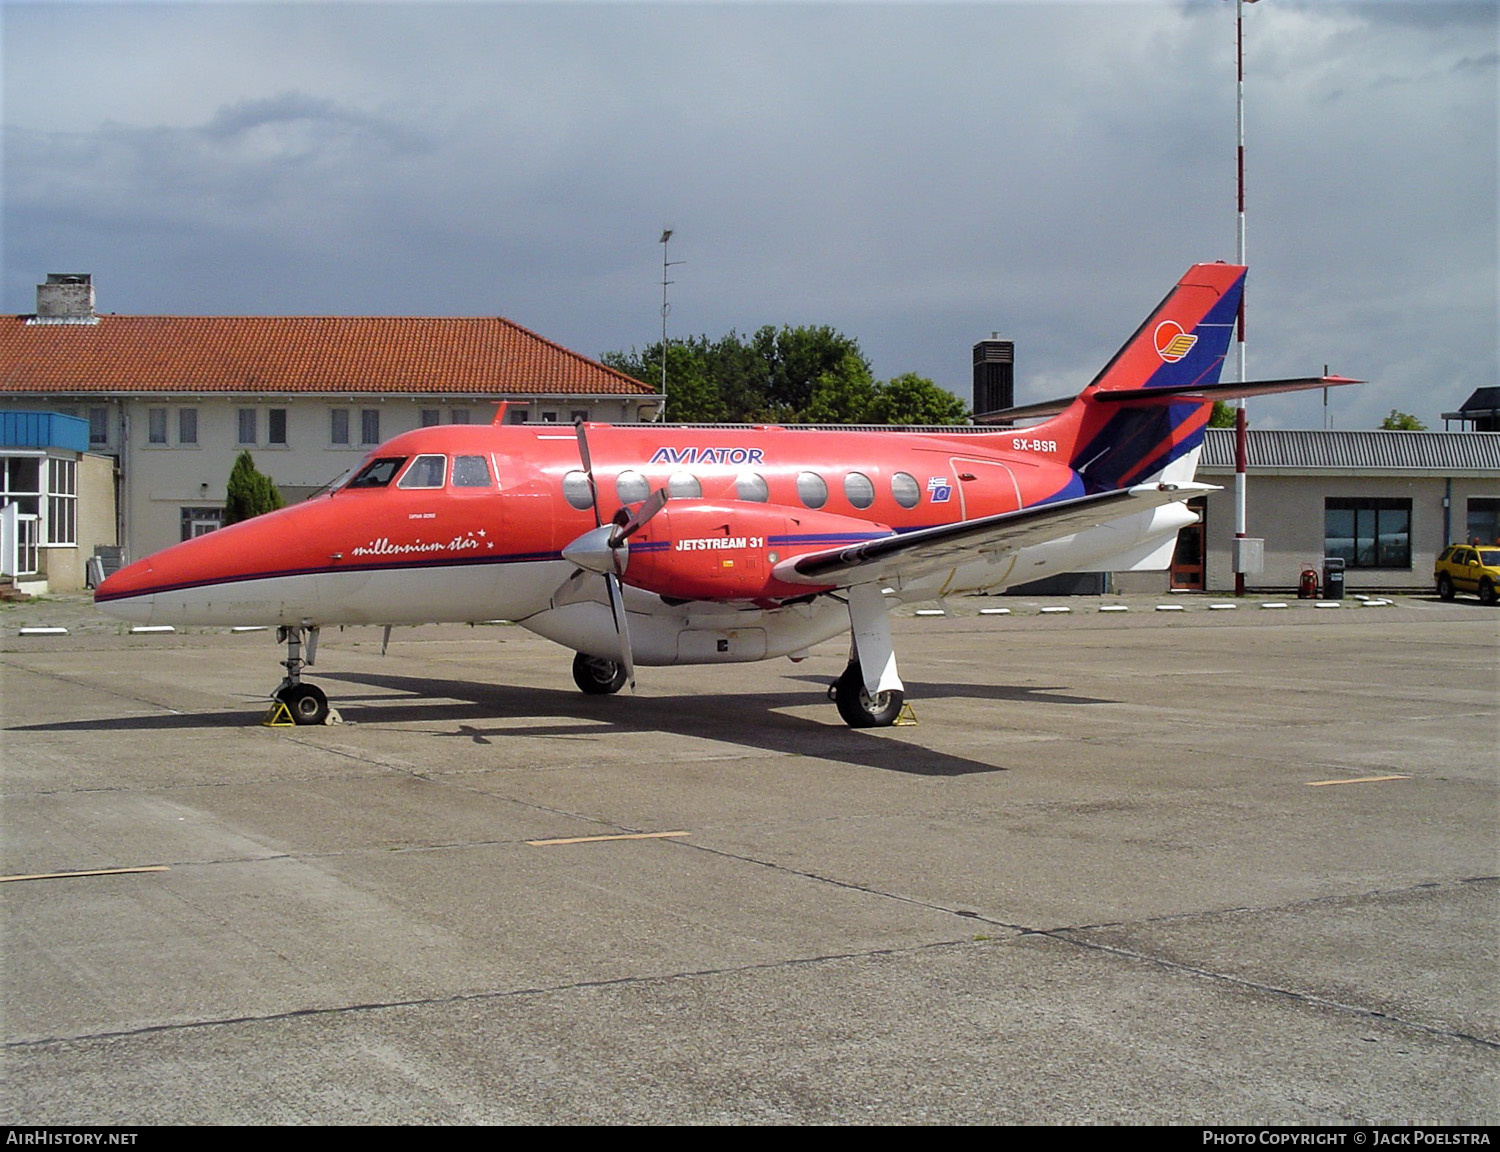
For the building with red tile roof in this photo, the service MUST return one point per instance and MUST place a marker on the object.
(175, 398)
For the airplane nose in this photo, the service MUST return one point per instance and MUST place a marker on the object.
(129, 593)
(255, 572)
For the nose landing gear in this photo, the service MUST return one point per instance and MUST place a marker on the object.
(305, 703)
(598, 677)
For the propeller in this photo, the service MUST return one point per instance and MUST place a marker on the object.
(605, 549)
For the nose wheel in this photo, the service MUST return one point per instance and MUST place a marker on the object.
(598, 677)
(306, 703)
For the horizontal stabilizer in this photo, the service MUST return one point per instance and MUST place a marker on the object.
(1226, 391)
(910, 554)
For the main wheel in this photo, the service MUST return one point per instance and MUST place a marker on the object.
(597, 677)
(1445, 587)
(858, 708)
(306, 703)
(1487, 594)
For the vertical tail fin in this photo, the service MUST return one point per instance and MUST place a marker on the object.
(1184, 341)
(1182, 344)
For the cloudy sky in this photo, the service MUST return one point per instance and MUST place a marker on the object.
(916, 175)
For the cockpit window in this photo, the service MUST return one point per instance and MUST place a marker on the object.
(377, 473)
(470, 472)
(424, 472)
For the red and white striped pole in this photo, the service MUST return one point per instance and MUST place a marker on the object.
(1241, 452)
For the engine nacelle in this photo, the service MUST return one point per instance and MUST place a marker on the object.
(726, 550)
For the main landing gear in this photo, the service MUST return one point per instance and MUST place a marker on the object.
(598, 677)
(858, 708)
(306, 703)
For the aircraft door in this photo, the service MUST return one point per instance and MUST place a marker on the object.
(983, 487)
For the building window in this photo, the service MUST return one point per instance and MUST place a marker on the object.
(431, 416)
(369, 426)
(247, 425)
(519, 416)
(276, 426)
(62, 501)
(1483, 522)
(98, 427)
(156, 426)
(579, 414)
(201, 521)
(459, 416)
(187, 425)
(338, 426)
(1368, 532)
(549, 417)
(20, 483)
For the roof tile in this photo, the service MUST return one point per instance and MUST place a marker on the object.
(296, 354)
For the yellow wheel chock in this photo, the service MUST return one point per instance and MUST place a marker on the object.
(278, 716)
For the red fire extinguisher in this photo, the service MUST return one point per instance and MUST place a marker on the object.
(1307, 586)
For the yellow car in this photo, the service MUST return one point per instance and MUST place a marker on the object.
(1468, 568)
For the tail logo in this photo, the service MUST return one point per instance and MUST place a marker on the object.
(1172, 343)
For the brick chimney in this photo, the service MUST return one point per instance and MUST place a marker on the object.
(66, 298)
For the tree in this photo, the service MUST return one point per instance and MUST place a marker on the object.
(1402, 422)
(913, 399)
(786, 375)
(249, 492)
(1223, 415)
(843, 395)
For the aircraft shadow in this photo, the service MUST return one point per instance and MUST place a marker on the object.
(930, 689)
(751, 720)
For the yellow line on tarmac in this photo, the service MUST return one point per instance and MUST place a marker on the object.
(597, 839)
(91, 872)
(1355, 780)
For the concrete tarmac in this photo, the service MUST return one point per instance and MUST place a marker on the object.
(1190, 867)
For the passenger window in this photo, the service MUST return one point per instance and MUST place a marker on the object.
(812, 489)
(377, 473)
(577, 491)
(424, 472)
(904, 489)
(631, 487)
(470, 472)
(859, 490)
(684, 485)
(749, 486)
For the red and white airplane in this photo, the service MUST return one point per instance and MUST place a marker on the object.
(650, 544)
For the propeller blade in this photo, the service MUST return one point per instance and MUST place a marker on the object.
(604, 551)
(622, 628)
(635, 521)
(588, 469)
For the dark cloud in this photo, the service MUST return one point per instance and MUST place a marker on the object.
(915, 175)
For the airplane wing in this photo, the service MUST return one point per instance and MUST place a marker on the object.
(927, 550)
